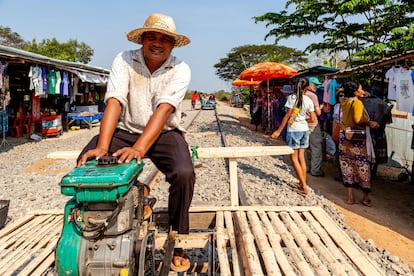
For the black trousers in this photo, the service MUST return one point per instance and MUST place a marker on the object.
(170, 154)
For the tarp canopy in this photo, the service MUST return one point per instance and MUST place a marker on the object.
(315, 70)
(85, 72)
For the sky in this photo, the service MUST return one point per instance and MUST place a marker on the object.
(215, 27)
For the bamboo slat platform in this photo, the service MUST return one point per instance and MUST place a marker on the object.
(249, 240)
(293, 241)
(27, 245)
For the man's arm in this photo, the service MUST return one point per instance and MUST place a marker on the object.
(149, 135)
(108, 124)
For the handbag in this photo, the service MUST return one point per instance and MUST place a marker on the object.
(355, 134)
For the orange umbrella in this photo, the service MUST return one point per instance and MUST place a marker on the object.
(266, 71)
(239, 82)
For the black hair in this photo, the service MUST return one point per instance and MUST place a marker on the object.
(300, 87)
(349, 88)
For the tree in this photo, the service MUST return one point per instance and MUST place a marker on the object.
(364, 29)
(241, 57)
(10, 38)
(71, 51)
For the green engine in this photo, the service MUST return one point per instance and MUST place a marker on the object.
(102, 220)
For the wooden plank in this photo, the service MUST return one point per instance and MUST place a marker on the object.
(66, 155)
(333, 249)
(233, 245)
(210, 152)
(207, 208)
(235, 152)
(263, 244)
(221, 245)
(250, 247)
(275, 241)
(193, 240)
(234, 190)
(242, 194)
(360, 259)
(295, 252)
(169, 253)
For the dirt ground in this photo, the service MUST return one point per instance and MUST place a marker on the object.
(390, 220)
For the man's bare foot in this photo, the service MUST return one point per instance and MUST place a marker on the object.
(180, 261)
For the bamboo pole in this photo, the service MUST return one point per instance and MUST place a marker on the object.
(221, 245)
(250, 247)
(288, 240)
(304, 244)
(275, 241)
(332, 247)
(265, 249)
(233, 246)
(331, 262)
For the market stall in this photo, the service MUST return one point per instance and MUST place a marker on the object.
(88, 118)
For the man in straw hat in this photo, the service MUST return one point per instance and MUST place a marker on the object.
(143, 113)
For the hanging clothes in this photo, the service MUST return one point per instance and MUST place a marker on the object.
(391, 75)
(51, 80)
(379, 111)
(2, 69)
(36, 80)
(44, 77)
(333, 86)
(58, 82)
(65, 84)
(404, 90)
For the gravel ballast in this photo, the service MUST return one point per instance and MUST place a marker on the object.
(31, 181)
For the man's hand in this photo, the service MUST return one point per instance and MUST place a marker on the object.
(97, 153)
(127, 154)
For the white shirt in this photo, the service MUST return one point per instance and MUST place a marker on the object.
(404, 90)
(390, 75)
(300, 123)
(140, 92)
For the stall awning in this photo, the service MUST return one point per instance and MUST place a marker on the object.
(85, 72)
(409, 54)
(315, 70)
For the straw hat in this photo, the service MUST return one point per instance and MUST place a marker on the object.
(158, 23)
(287, 89)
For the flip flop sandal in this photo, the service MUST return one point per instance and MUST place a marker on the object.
(180, 253)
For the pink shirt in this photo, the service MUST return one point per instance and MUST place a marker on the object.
(315, 101)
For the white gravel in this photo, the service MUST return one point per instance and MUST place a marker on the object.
(31, 181)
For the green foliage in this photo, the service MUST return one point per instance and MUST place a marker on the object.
(222, 95)
(241, 57)
(71, 50)
(364, 29)
(10, 38)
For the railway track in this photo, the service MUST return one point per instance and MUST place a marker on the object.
(259, 235)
